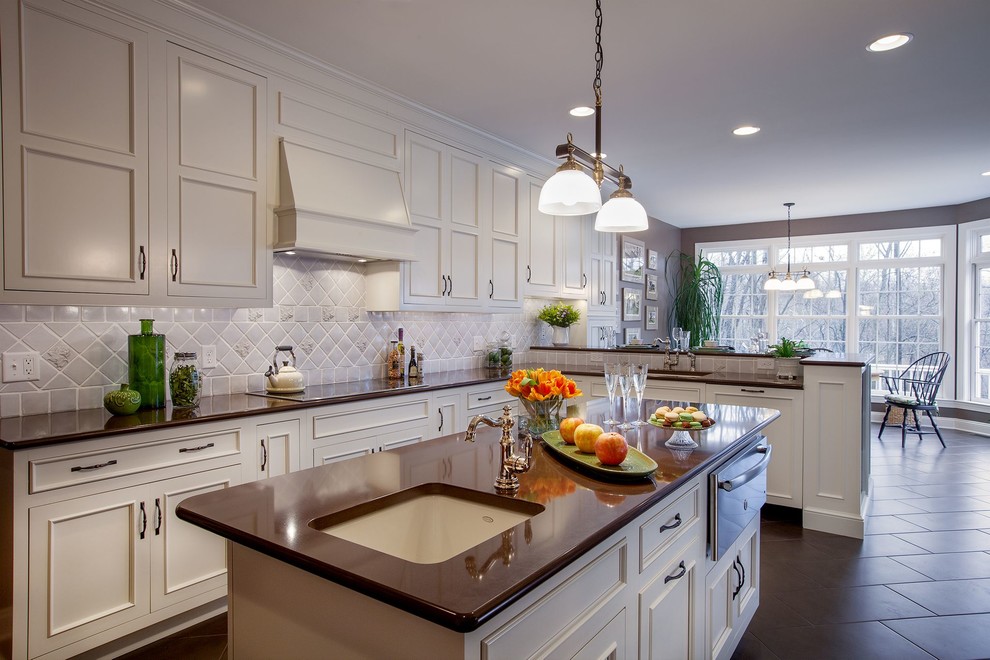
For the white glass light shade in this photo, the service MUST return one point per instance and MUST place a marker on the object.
(570, 192)
(788, 284)
(814, 293)
(621, 214)
(805, 283)
(772, 283)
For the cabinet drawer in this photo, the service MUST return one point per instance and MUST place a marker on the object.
(553, 618)
(381, 413)
(488, 397)
(63, 471)
(657, 533)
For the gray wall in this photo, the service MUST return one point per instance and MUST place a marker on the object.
(662, 238)
(928, 217)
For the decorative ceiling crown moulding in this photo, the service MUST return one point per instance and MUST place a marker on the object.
(570, 191)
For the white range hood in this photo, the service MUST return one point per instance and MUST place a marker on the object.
(336, 206)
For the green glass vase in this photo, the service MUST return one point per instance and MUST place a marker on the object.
(146, 365)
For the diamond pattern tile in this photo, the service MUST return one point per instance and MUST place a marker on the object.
(318, 307)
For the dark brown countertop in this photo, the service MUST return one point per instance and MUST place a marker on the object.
(830, 359)
(52, 428)
(272, 516)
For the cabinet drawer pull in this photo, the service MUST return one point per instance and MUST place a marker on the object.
(87, 468)
(264, 455)
(158, 517)
(678, 575)
(142, 262)
(175, 265)
(584, 280)
(491, 289)
(144, 522)
(743, 389)
(440, 428)
(529, 273)
(677, 523)
(485, 398)
(200, 448)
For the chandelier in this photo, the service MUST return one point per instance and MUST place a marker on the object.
(571, 191)
(797, 281)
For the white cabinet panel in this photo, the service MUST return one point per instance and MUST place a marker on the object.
(543, 269)
(509, 202)
(278, 448)
(75, 152)
(88, 569)
(217, 211)
(424, 175)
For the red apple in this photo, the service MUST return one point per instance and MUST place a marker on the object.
(567, 428)
(611, 448)
(585, 436)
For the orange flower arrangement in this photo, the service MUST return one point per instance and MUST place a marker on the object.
(540, 385)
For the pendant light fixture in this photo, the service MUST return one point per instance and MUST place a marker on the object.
(799, 280)
(570, 191)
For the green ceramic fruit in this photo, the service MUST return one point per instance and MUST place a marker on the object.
(124, 401)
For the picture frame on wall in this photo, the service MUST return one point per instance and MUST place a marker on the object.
(652, 287)
(652, 317)
(652, 259)
(633, 260)
(632, 304)
(631, 334)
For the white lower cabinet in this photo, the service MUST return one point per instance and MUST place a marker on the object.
(101, 560)
(732, 594)
(278, 450)
(671, 617)
(449, 409)
(785, 475)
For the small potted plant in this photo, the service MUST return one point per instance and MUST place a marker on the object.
(788, 353)
(560, 316)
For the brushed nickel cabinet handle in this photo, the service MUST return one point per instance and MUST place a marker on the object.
(87, 468)
(677, 576)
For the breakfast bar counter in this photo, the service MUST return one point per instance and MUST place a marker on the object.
(272, 517)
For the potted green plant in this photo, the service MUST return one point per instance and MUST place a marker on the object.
(788, 353)
(696, 285)
(560, 316)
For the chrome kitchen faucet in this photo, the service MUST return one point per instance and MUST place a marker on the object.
(512, 463)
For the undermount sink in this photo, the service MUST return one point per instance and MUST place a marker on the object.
(689, 374)
(427, 524)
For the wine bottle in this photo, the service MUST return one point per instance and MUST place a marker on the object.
(413, 364)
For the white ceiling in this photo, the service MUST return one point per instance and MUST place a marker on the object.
(844, 130)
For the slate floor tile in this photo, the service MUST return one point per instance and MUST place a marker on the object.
(895, 507)
(859, 571)
(948, 520)
(775, 613)
(875, 545)
(882, 493)
(964, 637)
(892, 524)
(751, 648)
(963, 540)
(950, 597)
(860, 641)
(938, 504)
(947, 490)
(949, 566)
(849, 604)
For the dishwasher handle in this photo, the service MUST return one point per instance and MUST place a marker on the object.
(750, 474)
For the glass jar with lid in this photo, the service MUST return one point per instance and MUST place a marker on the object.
(184, 381)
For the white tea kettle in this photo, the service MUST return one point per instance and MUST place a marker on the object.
(285, 379)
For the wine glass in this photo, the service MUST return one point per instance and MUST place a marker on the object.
(675, 338)
(611, 380)
(625, 385)
(639, 373)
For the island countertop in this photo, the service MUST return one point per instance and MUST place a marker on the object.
(272, 516)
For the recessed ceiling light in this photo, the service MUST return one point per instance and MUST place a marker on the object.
(890, 42)
(582, 111)
(987, 173)
(746, 130)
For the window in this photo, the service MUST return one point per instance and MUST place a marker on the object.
(974, 322)
(886, 294)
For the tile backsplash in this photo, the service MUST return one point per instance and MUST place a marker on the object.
(319, 309)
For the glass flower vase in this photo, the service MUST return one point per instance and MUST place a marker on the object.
(543, 415)
(146, 365)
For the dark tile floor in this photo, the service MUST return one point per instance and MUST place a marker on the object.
(918, 585)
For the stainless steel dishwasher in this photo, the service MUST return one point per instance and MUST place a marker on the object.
(737, 490)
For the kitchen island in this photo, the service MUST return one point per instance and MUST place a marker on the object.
(592, 565)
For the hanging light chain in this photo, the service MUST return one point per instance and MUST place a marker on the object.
(599, 54)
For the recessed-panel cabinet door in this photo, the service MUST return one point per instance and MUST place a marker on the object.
(75, 151)
(543, 272)
(186, 560)
(89, 567)
(509, 204)
(217, 198)
(425, 280)
(278, 448)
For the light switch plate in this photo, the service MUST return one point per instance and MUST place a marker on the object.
(478, 343)
(209, 356)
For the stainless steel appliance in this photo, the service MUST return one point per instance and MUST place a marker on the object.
(737, 490)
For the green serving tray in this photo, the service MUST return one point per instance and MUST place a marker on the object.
(636, 466)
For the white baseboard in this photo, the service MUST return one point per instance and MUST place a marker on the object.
(956, 424)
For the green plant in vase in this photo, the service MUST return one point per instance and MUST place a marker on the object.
(696, 286)
(787, 348)
(560, 316)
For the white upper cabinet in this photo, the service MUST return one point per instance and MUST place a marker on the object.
(75, 152)
(602, 270)
(556, 261)
(509, 205)
(217, 160)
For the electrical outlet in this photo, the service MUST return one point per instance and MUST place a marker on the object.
(764, 363)
(209, 356)
(18, 367)
(479, 343)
